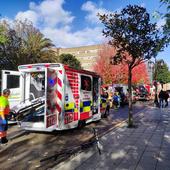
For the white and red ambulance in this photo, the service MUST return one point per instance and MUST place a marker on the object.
(57, 97)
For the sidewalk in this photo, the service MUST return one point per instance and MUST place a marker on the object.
(146, 147)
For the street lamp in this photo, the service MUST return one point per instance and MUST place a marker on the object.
(151, 70)
(152, 67)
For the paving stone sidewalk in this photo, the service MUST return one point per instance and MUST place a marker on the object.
(146, 147)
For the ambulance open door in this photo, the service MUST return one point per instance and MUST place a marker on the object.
(11, 80)
(51, 113)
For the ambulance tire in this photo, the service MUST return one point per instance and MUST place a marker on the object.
(81, 124)
(20, 117)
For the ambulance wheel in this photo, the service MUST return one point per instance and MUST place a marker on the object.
(19, 117)
(81, 124)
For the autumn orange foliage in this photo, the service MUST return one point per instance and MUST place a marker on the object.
(118, 73)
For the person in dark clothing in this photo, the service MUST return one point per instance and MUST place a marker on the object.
(161, 98)
(122, 97)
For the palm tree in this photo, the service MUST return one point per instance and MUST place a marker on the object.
(35, 47)
(25, 44)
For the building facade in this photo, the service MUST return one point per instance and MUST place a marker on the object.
(87, 55)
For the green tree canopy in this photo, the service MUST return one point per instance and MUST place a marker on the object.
(10, 51)
(35, 47)
(70, 60)
(167, 16)
(3, 37)
(162, 72)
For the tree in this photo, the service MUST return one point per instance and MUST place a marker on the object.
(9, 51)
(140, 74)
(69, 60)
(162, 71)
(167, 16)
(24, 45)
(102, 65)
(135, 38)
(3, 38)
(35, 47)
(118, 74)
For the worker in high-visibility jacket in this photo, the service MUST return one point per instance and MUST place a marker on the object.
(4, 111)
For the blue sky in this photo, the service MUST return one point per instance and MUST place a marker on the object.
(73, 23)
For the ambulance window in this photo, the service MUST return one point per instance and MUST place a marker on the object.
(12, 81)
(86, 83)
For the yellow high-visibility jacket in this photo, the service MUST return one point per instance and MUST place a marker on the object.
(4, 106)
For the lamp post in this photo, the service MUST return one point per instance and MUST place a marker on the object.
(153, 67)
(151, 70)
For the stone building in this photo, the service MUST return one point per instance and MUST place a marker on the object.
(87, 55)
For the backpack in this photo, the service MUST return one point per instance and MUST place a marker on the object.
(115, 98)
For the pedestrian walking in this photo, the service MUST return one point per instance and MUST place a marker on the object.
(4, 111)
(122, 99)
(161, 98)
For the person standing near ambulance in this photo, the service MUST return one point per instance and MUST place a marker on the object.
(4, 111)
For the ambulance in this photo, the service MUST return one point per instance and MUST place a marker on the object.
(57, 97)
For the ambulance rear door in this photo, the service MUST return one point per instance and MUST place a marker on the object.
(86, 98)
(51, 113)
(11, 80)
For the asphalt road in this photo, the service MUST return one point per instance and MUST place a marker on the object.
(26, 149)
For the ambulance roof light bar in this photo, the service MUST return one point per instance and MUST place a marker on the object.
(38, 66)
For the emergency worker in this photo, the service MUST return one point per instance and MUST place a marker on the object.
(107, 110)
(4, 111)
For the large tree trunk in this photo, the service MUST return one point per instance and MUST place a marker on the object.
(130, 115)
